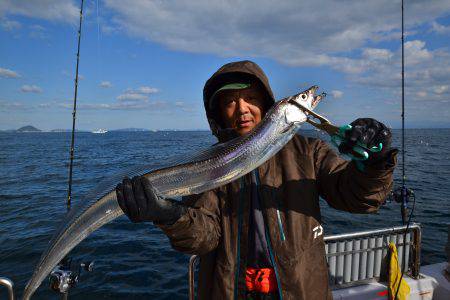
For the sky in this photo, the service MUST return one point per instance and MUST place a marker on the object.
(143, 63)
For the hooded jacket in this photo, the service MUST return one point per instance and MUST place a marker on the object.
(216, 223)
(236, 72)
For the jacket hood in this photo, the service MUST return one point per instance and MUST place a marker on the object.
(235, 72)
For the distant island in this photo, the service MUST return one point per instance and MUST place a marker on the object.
(32, 129)
(131, 129)
(61, 130)
(28, 128)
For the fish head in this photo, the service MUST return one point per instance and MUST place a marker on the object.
(308, 99)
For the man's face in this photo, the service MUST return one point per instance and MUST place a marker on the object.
(242, 109)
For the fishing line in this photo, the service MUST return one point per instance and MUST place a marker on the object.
(403, 102)
(99, 61)
(404, 244)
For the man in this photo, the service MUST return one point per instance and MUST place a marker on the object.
(259, 237)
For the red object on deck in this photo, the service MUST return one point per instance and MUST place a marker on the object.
(261, 280)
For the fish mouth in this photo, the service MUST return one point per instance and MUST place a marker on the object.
(317, 99)
(308, 98)
(312, 90)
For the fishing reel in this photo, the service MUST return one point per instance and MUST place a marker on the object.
(63, 276)
(402, 195)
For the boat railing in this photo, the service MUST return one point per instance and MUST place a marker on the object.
(9, 286)
(192, 263)
(359, 257)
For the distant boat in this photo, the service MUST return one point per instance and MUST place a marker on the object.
(100, 131)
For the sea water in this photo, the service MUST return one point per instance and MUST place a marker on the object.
(135, 261)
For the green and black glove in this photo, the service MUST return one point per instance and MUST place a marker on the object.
(139, 201)
(372, 135)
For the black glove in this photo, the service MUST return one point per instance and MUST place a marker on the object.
(371, 133)
(138, 200)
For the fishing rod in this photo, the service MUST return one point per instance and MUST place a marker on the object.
(74, 112)
(62, 278)
(404, 206)
(404, 195)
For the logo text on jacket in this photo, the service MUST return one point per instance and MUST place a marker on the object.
(318, 231)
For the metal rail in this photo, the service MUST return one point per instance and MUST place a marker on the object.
(192, 262)
(359, 234)
(357, 258)
(9, 286)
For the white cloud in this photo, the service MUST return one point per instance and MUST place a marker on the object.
(10, 105)
(426, 78)
(7, 73)
(132, 96)
(303, 33)
(421, 94)
(293, 32)
(150, 106)
(105, 84)
(67, 74)
(52, 10)
(131, 99)
(44, 105)
(108, 29)
(441, 89)
(10, 25)
(440, 29)
(139, 94)
(37, 27)
(30, 89)
(377, 54)
(184, 107)
(147, 90)
(415, 52)
(38, 32)
(126, 105)
(337, 94)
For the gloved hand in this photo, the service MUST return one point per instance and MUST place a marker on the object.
(138, 200)
(371, 133)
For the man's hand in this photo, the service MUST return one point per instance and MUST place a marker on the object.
(138, 200)
(369, 132)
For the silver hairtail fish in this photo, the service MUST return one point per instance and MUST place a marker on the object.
(204, 171)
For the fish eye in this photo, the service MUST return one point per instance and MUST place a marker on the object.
(303, 96)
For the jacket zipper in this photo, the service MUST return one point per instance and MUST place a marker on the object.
(269, 243)
(280, 223)
(238, 251)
